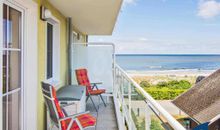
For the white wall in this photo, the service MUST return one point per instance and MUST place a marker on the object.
(98, 60)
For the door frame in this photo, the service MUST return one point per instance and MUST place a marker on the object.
(21, 50)
(30, 61)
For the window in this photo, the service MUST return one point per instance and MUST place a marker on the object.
(49, 50)
(12, 68)
(52, 51)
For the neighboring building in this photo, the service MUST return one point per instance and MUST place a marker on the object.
(202, 101)
(34, 50)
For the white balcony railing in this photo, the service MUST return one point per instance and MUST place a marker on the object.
(135, 108)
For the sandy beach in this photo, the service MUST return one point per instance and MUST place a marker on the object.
(171, 73)
(167, 75)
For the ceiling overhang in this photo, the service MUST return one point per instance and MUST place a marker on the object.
(90, 17)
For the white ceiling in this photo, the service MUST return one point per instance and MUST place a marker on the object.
(92, 17)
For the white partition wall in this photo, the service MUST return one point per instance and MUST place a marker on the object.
(98, 59)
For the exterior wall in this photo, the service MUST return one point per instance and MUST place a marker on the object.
(41, 119)
(42, 58)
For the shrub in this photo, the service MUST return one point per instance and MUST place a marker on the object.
(155, 125)
(145, 84)
(182, 84)
(185, 84)
(162, 84)
(166, 90)
(164, 93)
(173, 82)
(139, 122)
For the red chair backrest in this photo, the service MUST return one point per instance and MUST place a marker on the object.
(51, 100)
(83, 79)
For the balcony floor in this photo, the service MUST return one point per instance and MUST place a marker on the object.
(106, 118)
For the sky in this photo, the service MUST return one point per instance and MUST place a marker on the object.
(166, 27)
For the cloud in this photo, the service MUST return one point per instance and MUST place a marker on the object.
(129, 1)
(143, 39)
(147, 45)
(167, 48)
(208, 9)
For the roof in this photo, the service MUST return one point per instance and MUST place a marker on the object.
(202, 101)
(90, 17)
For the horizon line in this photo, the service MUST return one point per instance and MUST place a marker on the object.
(170, 54)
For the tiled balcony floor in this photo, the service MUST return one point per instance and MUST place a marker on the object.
(106, 118)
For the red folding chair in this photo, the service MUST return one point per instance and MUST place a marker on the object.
(91, 88)
(59, 118)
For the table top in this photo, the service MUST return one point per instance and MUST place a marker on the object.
(70, 92)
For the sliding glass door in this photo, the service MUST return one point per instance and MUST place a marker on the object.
(12, 68)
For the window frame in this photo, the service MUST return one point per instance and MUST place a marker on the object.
(55, 79)
(20, 50)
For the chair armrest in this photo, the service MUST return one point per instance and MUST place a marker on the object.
(63, 99)
(96, 83)
(65, 104)
(72, 116)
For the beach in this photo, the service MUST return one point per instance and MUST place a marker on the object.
(167, 75)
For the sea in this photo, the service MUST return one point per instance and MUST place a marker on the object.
(159, 62)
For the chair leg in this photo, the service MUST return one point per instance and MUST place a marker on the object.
(87, 97)
(93, 103)
(102, 100)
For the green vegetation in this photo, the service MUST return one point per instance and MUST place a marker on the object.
(139, 122)
(164, 93)
(155, 125)
(166, 90)
(145, 84)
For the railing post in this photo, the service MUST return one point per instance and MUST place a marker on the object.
(129, 103)
(147, 118)
(122, 96)
(115, 82)
(117, 99)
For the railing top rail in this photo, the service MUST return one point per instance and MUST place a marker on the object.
(170, 119)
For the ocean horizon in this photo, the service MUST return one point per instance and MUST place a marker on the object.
(160, 62)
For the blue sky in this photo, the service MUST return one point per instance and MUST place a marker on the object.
(166, 27)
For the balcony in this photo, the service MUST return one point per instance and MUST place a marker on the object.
(128, 105)
(138, 110)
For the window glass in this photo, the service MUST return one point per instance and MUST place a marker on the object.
(4, 71)
(14, 28)
(14, 70)
(4, 112)
(49, 51)
(5, 26)
(14, 111)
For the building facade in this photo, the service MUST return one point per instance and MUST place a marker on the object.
(34, 49)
